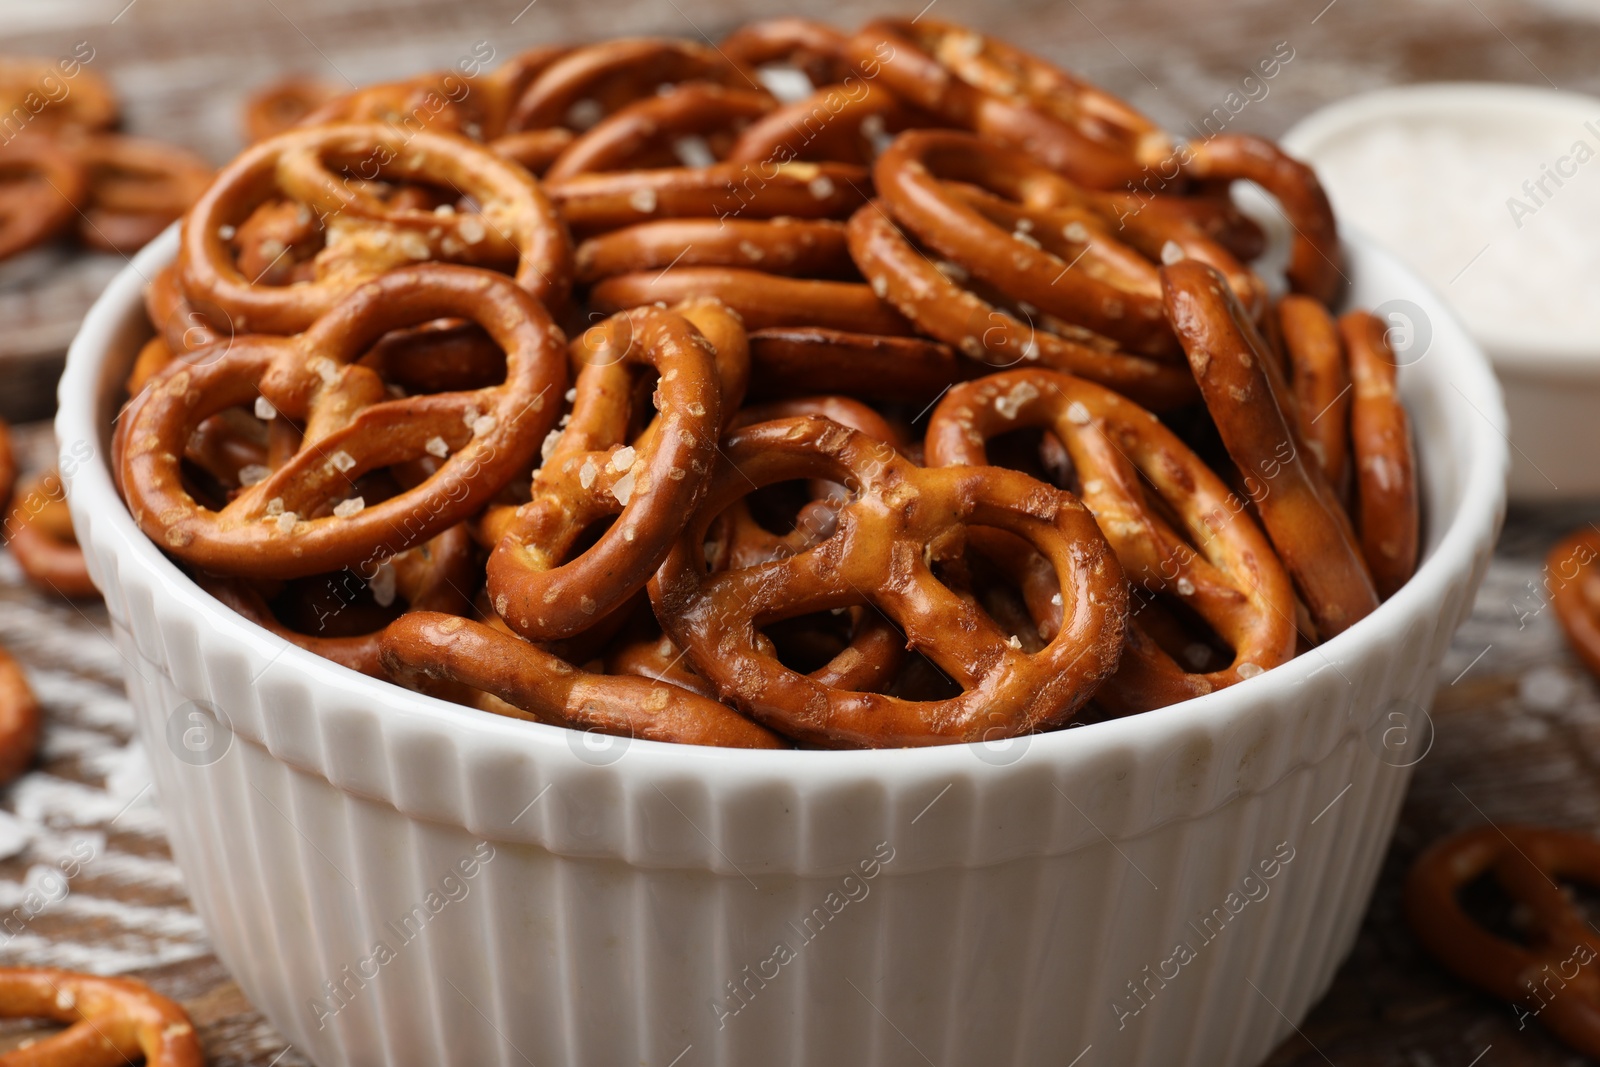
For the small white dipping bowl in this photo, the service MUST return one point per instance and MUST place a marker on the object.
(396, 880)
(1488, 191)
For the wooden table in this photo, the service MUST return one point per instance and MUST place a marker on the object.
(1518, 725)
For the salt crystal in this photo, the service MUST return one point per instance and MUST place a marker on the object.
(587, 473)
(1171, 253)
(623, 490)
(264, 409)
(342, 461)
(1248, 669)
(253, 474)
(483, 424)
(437, 446)
(383, 584)
(642, 200)
(346, 509)
(286, 521)
(821, 187)
(622, 459)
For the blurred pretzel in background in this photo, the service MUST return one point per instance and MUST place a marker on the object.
(819, 387)
(109, 1020)
(62, 169)
(1550, 971)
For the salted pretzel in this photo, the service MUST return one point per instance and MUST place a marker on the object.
(54, 100)
(512, 223)
(136, 188)
(594, 203)
(645, 132)
(1316, 260)
(815, 49)
(760, 299)
(1573, 581)
(440, 576)
(1387, 510)
(803, 248)
(848, 122)
(439, 102)
(109, 1020)
(1319, 382)
(19, 719)
(41, 185)
(992, 337)
(1553, 974)
(1210, 556)
(504, 86)
(585, 85)
(1243, 387)
(1036, 238)
(593, 471)
(786, 361)
(39, 534)
(902, 519)
(285, 103)
(656, 657)
(870, 649)
(424, 646)
(302, 519)
(1011, 98)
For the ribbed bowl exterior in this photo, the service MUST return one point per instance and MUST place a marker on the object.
(398, 881)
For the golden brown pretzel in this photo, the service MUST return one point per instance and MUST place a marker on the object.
(110, 1021)
(1033, 236)
(761, 300)
(302, 518)
(1554, 974)
(282, 104)
(54, 98)
(586, 84)
(1215, 560)
(1316, 260)
(815, 48)
(440, 102)
(39, 534)
(1319, 382)
(41, 185)
(994, 338)
(658, 658)
(1387, 511)
(1243, 387)
(181, 325)
(1011, 98)
(902, 519)
(844, 122)
(512, 218)
(534, 149)
(136, 188)
(642, 134)
(504, 86)
(1574, 584)
(593, 203)
(786, 361)
(440, 575)
(19, 719)
(592, 471)
(805, 248)
(423, 646)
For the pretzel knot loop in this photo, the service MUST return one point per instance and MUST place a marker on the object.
(302, 518)
(1213, 559)
(1553, 974)
(330, 170)
(592, 472)
(901, 521)
(110, 1020)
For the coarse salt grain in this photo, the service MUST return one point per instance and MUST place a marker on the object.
(286, 521)
(383, 585)
(587, 473)
(253, 474)
(264, 409)
(437, 446)
(622, 459)
(623, 490)
(642, 200)
(348, 508)
(342, 461)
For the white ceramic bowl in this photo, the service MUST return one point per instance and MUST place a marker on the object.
(401, 881)
(1551, 375)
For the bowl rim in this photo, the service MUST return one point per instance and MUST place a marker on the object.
(92, 495)
(1527, 350)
